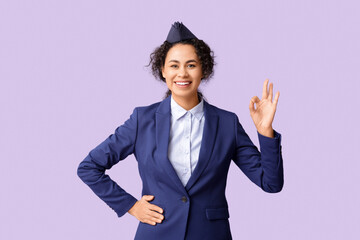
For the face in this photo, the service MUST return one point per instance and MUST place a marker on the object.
(182, 71)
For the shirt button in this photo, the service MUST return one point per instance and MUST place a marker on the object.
(184, 199)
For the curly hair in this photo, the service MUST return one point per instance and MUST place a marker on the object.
(203, 51)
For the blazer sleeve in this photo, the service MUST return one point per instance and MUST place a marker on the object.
(108, 153)
(264, 168)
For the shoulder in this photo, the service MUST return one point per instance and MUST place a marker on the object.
(147, 109)
(223, 113)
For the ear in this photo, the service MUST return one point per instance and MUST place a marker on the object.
(162, 72)
(202, 75)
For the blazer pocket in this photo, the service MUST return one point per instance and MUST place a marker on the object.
(217, 213)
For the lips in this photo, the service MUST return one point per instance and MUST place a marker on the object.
(182, 83)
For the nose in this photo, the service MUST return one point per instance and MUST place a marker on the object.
(182, 72)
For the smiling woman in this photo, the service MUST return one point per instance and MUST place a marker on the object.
(199, 55)
(184, 146)
(183, 74)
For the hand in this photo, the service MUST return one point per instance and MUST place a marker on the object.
(146, 212)
(264, 113)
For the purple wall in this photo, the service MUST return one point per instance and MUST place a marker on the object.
(72, 71)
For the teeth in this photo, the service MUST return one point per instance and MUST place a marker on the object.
(182, 83)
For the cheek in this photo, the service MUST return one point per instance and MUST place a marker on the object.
(168, 83)
(168, 73)
(199, 75)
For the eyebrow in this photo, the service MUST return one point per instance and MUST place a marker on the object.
(176, 61)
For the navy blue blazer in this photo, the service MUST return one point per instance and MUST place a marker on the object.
(199, 210)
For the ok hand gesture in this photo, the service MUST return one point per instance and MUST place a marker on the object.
(264, 113)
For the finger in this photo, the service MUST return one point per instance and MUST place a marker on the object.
(155, 215)
(277, 95)
(148, 197)
(265, 92)
(253, 100)
(251, 105)
(271, 92)
(149, 222)
(156, 208)
(157, 220)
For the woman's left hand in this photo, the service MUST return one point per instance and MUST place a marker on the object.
(264, 113)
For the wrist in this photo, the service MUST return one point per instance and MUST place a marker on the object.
(132, 209)
(267, 132)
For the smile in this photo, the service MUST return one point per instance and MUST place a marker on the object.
(182, 83)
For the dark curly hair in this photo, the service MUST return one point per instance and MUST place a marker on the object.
(203, 51)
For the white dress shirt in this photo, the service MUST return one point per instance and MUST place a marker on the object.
(186, 132)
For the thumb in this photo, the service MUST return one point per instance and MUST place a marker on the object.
(253, 100)
(148, 197)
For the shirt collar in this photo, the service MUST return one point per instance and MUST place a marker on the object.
(177, 111)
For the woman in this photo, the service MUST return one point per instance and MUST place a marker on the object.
(184, 147)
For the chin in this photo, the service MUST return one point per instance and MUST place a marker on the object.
(185, 94)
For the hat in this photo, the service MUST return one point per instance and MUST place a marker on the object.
(179, 32)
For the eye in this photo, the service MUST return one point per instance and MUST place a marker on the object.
(191, 66)
(173, 66)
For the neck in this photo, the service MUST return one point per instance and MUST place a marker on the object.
(187, 102)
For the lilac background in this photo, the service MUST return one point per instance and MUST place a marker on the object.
(72, 71)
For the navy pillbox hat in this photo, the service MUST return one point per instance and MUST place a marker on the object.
(179, 32)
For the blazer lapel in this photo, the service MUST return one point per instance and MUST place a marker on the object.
(207, 143)
(163, 120)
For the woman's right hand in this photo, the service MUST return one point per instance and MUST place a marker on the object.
(146, 212)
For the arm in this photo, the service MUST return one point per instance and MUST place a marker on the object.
(108, 153)
(264, 168)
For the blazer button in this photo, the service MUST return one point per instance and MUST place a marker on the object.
(184, 199)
